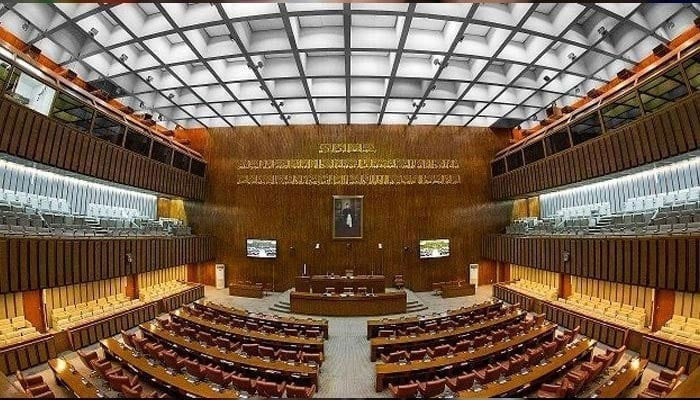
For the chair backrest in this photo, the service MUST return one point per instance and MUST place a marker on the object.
(418, 354)
(465, 381)
(549, 349)
(406, 391)
(250, 348)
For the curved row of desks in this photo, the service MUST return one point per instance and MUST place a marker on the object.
(274, 320)
(72, 380)
(274, 339)
(256, 364)
(156, 373)
(429, 338)
(519, 383)
(466, 358)
(374, 325)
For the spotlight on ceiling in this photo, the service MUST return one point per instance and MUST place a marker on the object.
(149, 78)
(670, 24)
(433, 87)
(123, 57)
(93, 31)
(602, 31)
(160, 117)
(577, 90)
(285, 117)
(547, 78)
(171, 96)
(141, 104)
(571, 56)
(278, 104)
(25, 26)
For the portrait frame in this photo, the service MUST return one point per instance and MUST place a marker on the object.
(357, 209)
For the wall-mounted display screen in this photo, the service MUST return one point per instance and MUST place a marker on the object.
(261, 248)
(434, 248)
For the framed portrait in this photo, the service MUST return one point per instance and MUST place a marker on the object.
(347, 217)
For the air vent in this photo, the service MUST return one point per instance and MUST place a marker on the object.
(624, 74)
(593, 93)
(661, 50)
(507, 123)
(111, 89)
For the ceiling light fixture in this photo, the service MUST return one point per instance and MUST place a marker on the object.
(670, 24)
(171, 96)
(141, 104)
(25, 26)
(149, 79)
(571, 56)
(602, 31)
(123, 57)
(93, 31)
(547, 78)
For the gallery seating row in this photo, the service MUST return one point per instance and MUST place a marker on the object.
(240, 318)
(403, 325)
(219, 376)
(498, 365)
(243, 335)
(79, 313)
(619, 313)
(580, 375)
(535, 289)
(160, 290)
(663, 384)
(449, 333)
(15, 330)
(681, 329)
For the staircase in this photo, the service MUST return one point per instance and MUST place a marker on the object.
(602, 223)
(94, 224)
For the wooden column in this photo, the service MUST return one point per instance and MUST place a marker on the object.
(132, 286)
(204, 273)
(34, 310)
(565, 289)
(664, 303)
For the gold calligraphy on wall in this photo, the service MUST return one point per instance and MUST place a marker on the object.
(355, 179)
(349, 164)
(335, 148)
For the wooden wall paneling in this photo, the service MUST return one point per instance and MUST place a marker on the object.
(8, 128)
(32, 125)
(56, 145)
(624, 147)
(4, 114)
(33, 256)
(20, 125)
(686, 125)
(675, 138)
(661, 137)
(23, 264)
(691, 112)
(693, 266)
(69, 150)
(632, 253)
(661, 263)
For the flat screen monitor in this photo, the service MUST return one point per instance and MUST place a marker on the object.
(434, 248)
(261, 248)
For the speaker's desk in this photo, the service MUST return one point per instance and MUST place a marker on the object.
(319, 283)
(342, 305)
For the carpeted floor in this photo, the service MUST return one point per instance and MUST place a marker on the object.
(347, 371)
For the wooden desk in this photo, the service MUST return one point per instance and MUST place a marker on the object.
(424, 339)
(606, 332)
(537, 374)
(527, 302)
(243, 290)
(689, 388)
(458, 289)
(374, 325)
(386, 371)
(336, 305)
(274, 320)
(319, 283)
(10, 391)
(276, 340)
(72, 380)
(301, 370)
(177, 382)
(629, 374)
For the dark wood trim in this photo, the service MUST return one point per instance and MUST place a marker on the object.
(71, 260)
(662, 134)
(607, 258)
(33, 136)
